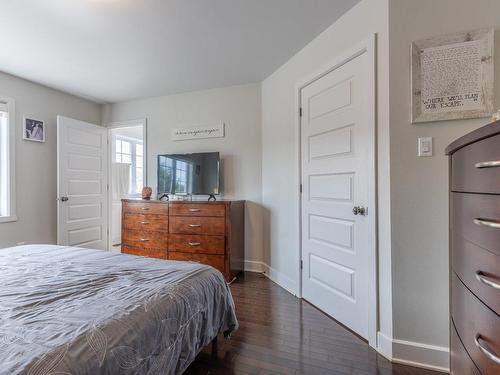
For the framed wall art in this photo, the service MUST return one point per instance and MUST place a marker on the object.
(452, 76)
(33, 130)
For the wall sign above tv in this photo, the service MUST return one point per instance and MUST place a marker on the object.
(199, 132)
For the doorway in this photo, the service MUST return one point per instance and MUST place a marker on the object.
(338, 204)
(127, 171)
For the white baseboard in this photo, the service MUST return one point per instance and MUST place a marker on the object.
(253, 266)
(274, 275)
(421, 355)
(282, 280)
(415, 354)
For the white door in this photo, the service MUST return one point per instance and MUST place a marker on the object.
(81, 184)
(338, 169)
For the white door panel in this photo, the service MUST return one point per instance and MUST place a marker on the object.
(331, 186)
(333, 276)
(330, 98)
(82, 184)
(331, 143)
(337, 143)
(331, 232)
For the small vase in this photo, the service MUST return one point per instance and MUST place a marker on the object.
(496, 116)
(146, 192)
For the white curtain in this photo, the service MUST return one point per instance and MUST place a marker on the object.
(120, 181)
(120, 185)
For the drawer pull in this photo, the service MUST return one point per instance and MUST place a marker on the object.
(194, 210)
(194, 243)
(488, 164)
(487, 223)
(145, 208)
(195, 225)
(485, 351)
(144, 240)
(480, 277)
(144, 222)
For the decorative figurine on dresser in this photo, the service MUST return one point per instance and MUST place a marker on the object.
(475, 252)
(201, 231)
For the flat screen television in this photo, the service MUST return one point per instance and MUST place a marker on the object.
(189, 174)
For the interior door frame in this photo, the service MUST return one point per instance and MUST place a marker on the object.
(367, 46)
(125, 124)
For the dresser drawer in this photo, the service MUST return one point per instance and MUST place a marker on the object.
(197, 209)
(476, 217)
(145, 239)
(477, 326)
(216, 261)
(152, 253)
(194, 243)
(145, 222)
(460, 362)
(478, 269)
(145, 208)
(476, 167)
(197, 225)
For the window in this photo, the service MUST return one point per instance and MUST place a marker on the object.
(130, 151)
(7, 121)
(181, 176)
(123, 152)
(175, 176)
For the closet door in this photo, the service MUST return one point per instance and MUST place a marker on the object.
(338, 199)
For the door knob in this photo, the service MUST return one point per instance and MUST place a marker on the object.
(64, 199)
(359, 210)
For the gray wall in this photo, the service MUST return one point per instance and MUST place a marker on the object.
(280, 145)
(239, 107)
(419, 186)
(36, 172)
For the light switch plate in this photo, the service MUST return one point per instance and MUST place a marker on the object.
(425, 146)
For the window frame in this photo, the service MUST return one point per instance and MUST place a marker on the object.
(11, 145)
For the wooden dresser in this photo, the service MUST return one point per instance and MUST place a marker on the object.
(207, 232)
(475, 252)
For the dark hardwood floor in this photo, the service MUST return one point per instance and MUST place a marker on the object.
(280, 334)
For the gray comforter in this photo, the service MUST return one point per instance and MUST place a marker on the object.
(66, 310)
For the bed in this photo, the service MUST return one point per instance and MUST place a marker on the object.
(68, 310)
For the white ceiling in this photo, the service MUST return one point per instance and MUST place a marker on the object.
(116, 50)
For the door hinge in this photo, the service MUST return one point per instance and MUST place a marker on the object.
(107, 187)
(300, 188)
(301, 264)
(300, 112)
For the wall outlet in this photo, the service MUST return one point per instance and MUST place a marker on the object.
(425, 146)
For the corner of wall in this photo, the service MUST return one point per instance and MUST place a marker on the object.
(105, 113)
(274, 275)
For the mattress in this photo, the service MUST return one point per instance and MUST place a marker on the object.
(68, 310)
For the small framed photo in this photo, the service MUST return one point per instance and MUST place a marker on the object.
(33, 130)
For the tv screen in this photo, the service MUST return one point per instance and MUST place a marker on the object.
(188, 173)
